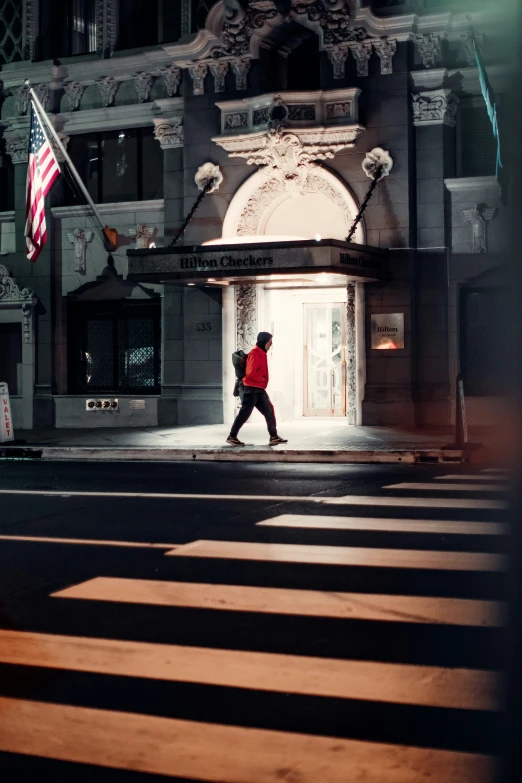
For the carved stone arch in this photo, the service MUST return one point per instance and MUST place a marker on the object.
(263, 203)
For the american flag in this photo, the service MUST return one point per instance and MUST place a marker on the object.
(43, 170)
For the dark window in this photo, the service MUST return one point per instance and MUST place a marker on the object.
(11, 355)
(67, 27)
(481, 356)
(199, 11)
(139, 23)
(11, 31)
(303, 65)
(6, 183)
(114, 347)
(118, 166)
(477, 145)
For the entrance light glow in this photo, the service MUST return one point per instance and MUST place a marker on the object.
(318, 237)
(254, 240)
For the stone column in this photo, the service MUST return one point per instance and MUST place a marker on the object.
(351, 357)
(246, 316)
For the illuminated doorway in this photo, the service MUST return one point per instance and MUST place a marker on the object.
(324, 359)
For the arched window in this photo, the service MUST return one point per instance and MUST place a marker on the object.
(11, 30)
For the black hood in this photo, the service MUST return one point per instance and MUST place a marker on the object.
(262, 339)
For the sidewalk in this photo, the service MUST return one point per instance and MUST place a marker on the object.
(310, 440)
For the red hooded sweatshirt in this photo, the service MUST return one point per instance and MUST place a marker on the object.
(256, 369)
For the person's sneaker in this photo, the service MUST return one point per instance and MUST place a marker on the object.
(276, 440)
(234, 441)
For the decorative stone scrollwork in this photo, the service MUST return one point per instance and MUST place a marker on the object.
(429, 47)
(241, 67)
(57, 151)
(246, 316)
(197, 72)
(108, 87)
(257, 204)
(22, 99)
(479, 218)
(385, 48)
(143, 83)
(351, 357)
(42, 93)
(144, 235)
(338, 54)
(435, 107)
(74, 92)
(334, 18)
(234, 120)
(219, 70)
(27, 312)
(169, 132)
(241, 23)
(172, 79)
(361, 51)
(469, 46)
(339, 110)
(9, 289)
(302, 112)
(18, 149)
(80, 239)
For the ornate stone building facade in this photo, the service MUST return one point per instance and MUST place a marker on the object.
(287, 99)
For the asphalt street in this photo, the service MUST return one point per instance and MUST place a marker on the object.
(251, 623)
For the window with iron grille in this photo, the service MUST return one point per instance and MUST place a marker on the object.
(114, 347)
(481, 343)
(67, 28)
(477, 145)
(11, 31)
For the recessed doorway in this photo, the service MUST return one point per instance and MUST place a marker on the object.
(324, 361)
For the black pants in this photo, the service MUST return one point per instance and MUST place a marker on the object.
(255, 399)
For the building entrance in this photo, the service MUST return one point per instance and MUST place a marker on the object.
(307, 363)
(324, 359)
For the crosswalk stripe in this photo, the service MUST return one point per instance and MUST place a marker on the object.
(316, 522)
(432, 502)
(87, 542)
(472, 477)
(346, 500)
(214, 753)
(427, 686)
(337, 555)
(271, 600)
(412, 485)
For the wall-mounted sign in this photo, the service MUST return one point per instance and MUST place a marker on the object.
(388, 331)
(6, 420)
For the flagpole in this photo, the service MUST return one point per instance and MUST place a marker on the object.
(40, 111)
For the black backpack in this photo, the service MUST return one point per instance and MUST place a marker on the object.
(239, 359)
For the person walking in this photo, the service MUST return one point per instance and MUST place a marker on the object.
(254, 393)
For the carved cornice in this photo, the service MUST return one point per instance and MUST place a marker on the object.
(73, 92)
(436, 107)
(17, 147)
(169, 132)
(108, 87)
(197, 72)
(11, 293)
(429, 48)
(172, 78)
(385, 48)
(143, 83)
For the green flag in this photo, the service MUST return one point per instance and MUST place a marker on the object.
(491, 106)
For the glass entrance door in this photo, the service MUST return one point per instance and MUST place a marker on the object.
(325, 359)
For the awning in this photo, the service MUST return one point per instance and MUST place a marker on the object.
(257, 262)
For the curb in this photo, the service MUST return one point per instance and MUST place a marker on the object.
(382, 456)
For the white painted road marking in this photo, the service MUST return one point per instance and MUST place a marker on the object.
(412, 485)
(427, 686)
(346, 500)
(87, 542)
(215, 753)
(272, 600)
(316, 522)
(343, 555)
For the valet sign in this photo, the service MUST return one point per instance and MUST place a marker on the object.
(6, 420)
